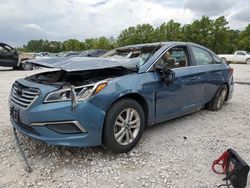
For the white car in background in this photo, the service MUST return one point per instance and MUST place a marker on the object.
(238, 56)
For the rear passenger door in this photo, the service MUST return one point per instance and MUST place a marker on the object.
(211, 69)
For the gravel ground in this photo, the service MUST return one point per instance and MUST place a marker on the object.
(177, 153)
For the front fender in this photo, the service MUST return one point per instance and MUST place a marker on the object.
(140, 84)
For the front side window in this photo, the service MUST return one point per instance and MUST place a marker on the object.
(174, 58)
(3, 50)
(201, 56)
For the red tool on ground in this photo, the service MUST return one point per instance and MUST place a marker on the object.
(235, 168)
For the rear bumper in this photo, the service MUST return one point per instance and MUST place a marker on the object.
(33, 123)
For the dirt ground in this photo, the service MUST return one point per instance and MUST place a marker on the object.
(177, 153)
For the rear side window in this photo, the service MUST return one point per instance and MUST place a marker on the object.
(240, 53)
(201, 56)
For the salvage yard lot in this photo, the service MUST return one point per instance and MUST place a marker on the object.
(177, 153)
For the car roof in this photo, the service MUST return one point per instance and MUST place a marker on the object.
(1, 43)
(148, 45)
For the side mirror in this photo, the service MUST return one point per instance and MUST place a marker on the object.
(167, 74)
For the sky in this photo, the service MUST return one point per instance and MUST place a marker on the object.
(24, 20)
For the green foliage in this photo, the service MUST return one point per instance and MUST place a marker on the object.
(214, 34)
(170, 31)
(99, 43)
(200, 31)
(72, 44)
(43, 46)
(135, 35)
(244, 39)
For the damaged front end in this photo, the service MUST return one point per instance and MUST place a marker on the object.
(77, 86)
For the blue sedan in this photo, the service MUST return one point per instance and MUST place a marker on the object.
(110, 100)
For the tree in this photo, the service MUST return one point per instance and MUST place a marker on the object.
(170, 31)
(244, 39)
(99, 43)
(43, 46)
(103, 43)
(54, 47)
(214, 34)
(72, 45)
(135, 35)
(200, 31)
(89, 43)
(220, 35)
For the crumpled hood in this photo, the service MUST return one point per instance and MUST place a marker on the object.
(71, 64)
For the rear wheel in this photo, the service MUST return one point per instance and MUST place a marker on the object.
(124, 125)
(219, 98)
(223, 60)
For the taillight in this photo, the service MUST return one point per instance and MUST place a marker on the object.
(231, 70)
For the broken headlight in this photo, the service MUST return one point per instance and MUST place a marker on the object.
(81, 92)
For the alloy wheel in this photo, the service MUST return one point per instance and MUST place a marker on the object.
(221, 98)
(127, 126)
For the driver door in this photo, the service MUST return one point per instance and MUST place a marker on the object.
(8, 56)
(180, 97)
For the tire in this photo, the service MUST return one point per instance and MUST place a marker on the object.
(223, 60)
(248, 61)
(219, 98)
(127, 134)
(16, 68)
(26, 66)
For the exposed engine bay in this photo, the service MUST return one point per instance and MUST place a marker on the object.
(78, 78)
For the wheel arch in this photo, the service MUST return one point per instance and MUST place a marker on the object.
(138, 98)
(225, 83)
(135, 96)
(247, 60)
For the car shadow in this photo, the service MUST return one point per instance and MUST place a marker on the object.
(63, 156)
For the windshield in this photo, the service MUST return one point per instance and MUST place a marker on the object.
(247, 52)
(142, 53)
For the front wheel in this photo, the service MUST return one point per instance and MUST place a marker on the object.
(124, 125)
(248, 61)
(219, 98)
(26, 66)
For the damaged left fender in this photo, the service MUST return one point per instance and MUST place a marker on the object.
(117, 88)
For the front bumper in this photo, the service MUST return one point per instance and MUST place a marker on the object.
(89, 117)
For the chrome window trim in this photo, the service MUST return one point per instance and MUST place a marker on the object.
(162, 54)
(209, 53)
(158, 58)
(43, 124)
(189, 66)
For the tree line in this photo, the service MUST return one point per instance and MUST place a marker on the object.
(214, 34)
